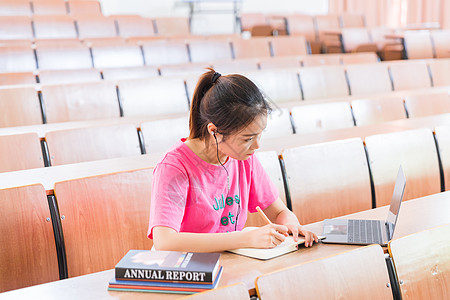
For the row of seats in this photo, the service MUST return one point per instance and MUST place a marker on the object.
(49, 7)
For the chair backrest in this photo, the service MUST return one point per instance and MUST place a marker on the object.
(20, 152)
(234, 66)
(328, 180)
(49, 7)
(422, 263)
(104, 217)
(81, 7)
(352, 38)
(303, 25)
(359, 58)
(377, 110)
(153, 96)
(54, 27)
(357, 274)
(129, 72)
(172, 26)
(234, 291)
(254, 47)
(360, 74)
(69, 76)
(161, 135)
(92, 143)
(288, 45)
(63, 55)
(418, 44)
(19, 107)
(114, 55)
(212, 49)
(279, 85)
(161, 52)
(415, 150)
(95, 27)
(134, 26)
(320, 59)
(441, 42)
(323, 116)
(410, 75)
(190, 71)
(15, 8)
(279, 62)
(15, 28)
(350, 20)
(440, 72)
(17, 59)
(442, 134)
(323, 82)
(28, 245)
(327, 22)
(80, 101)
(427, 104)
(278, 124)
(17, 78)
(249, 19)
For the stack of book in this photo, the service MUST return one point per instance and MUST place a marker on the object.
(166, 272)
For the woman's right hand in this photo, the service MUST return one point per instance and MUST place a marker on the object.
(268, 236)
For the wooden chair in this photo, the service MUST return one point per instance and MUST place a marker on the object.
(388, 49)
(20, 152)
(19, 107)
(288, 45)
(134, 26)
(328, 180)
(81, 7)
(15, 8)
(248, 20)
(234, 291)
(415, 150)
(377, 110)
(303, 25)
(129, 73)
(442, 135)
(324, 25)
(441, 42)
(357, 40)
(165, 52)
(280, 62)
(95, 27)
(422, 263)
(409, 75)
(114, 55)
(239, 66)
(320, 59)
(15, 28)
(28, 245)
(92, 143)
(360, 74)
(17, 78)
(54, 27)
(351, 20)
(153, 96)
(359, 58)
(65, 55)
(271, 164)
(17, 59)
(80, 101)
(356, 274)
(323, 82)
(440, 71)
(323, 116)
(278, 85)
(172, 26)
(418, 44)
(69, 76)
(49, 7)
(206, 50)
(278, 124)
(427, 104)
(252, 48)
(160, 135)
(104, 217)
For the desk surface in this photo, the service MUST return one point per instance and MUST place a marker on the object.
(415, 215)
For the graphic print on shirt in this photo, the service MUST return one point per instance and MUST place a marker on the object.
(221, 203)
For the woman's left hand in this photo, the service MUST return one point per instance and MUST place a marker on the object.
(297, 229)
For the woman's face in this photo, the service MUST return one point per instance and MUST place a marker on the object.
(242, 144)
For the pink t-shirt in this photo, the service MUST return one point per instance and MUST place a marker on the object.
(191, 195)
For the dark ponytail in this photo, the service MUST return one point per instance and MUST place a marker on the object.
(230, 102)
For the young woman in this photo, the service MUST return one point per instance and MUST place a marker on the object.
(205, 185)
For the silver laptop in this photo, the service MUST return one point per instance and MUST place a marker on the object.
(365, 232)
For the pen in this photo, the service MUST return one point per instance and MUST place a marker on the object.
(263, 215)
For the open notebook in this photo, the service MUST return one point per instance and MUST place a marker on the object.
(289, 245)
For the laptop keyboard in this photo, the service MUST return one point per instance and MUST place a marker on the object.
(364, 231)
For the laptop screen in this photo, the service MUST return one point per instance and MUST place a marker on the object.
(396, 197)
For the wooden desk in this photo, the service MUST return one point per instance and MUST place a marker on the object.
(415, 215)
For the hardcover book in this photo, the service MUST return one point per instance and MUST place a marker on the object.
(168, 266)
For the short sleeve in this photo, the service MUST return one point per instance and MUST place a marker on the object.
(262, 190)
(168, 199)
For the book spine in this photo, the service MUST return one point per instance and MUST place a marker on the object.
(163, 275)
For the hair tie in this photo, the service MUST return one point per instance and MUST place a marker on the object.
(215, 77)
